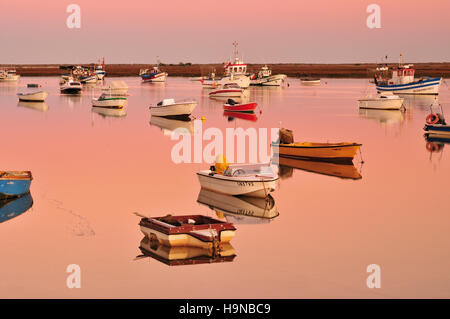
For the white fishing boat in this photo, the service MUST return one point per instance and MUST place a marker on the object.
(32, 95)
(228, 90)
(88, 79)
(256, 180)
(99, 70)
(9, 76)
(116, 88)
(310, 81)
(70, 86)
(265, 78)
(402, 81)
(385, 101)
(153, 75)
(170, 108)
(108, 101)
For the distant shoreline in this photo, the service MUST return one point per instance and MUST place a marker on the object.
(357, 70)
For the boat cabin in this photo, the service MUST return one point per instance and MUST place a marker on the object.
(249, 170)
(264, 72)
(238, 67)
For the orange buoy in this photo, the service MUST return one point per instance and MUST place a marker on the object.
(432, 118)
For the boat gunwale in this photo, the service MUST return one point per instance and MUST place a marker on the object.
(26, 177)
(320, 145)
(227, 178)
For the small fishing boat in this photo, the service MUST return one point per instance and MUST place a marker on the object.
(88, 79)
(14, 183)
(310, 81)
(32, 95)
(99, 70)
(70, 86)
(108, 101)
(110, 112)
(344, 171)
(265, 78)
(402, 81)
(180, 256)
(9, 76)
(256, 180)
(187, 230)
(116, 88)
(385, 101)
(171, 109)
(235, 71)
(233, 106)
(239, 115)
(335, 152)
(228, 90)
(13, 207)
(153, 75)
(436, 126)
(239, 209)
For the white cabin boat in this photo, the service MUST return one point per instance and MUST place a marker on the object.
(154, 75)
(170, 108)
(256, 180)
(9, 76)
(99, 70)
(386, 101)
(32, 95)
(402, 81)
(70, 86)
(228, 90)
(107, 101)
(265, 78)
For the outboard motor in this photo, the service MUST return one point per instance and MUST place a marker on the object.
(231, 102)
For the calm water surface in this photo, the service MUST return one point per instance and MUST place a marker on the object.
(91, 172)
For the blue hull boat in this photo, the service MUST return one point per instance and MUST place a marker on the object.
(14, 183)
(10, 208)
(438, 130)
(423, 86)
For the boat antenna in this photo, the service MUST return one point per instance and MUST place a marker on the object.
(235, 44)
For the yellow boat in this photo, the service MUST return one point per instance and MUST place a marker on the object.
(347, 171)
(330, 152)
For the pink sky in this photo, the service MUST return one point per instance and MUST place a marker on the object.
(200, 31)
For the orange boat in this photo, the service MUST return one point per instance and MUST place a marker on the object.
(329, 152)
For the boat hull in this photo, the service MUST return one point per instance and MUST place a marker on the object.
(340, 153)
(33, 97)
(273, 80)
(437, 130)
(89, 80)
(115, 103)
(10, 208)
(13, 186)
(381, 104)
(429, 86)
(160, 77)
(174, 110)
(10, 78)
(248, 107)
(227, 93)
(237, 186)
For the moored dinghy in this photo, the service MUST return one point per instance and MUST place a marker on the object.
(436, 126)
(172, 109)
(228, 90)
(14, 183)
(31, 94)
(333, 152)
(109, 101)
(256, 180)
(187, 230)
(385, 101)
(233, 106)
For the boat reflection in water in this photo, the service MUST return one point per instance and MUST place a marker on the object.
(422, 102)
(13, 207)
(179, 255)
(38, 106)
(345, 171)
(110, 112)
(435, 144)
(243, 116)
(239, 209)
(387, 117)
(170, 125)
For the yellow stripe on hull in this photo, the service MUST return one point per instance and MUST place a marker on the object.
(325, 151)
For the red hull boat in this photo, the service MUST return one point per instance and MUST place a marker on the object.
(241, 115)
(232, 106)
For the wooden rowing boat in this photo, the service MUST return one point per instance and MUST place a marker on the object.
(332, 152)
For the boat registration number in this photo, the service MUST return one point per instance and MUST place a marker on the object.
(245, 183)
